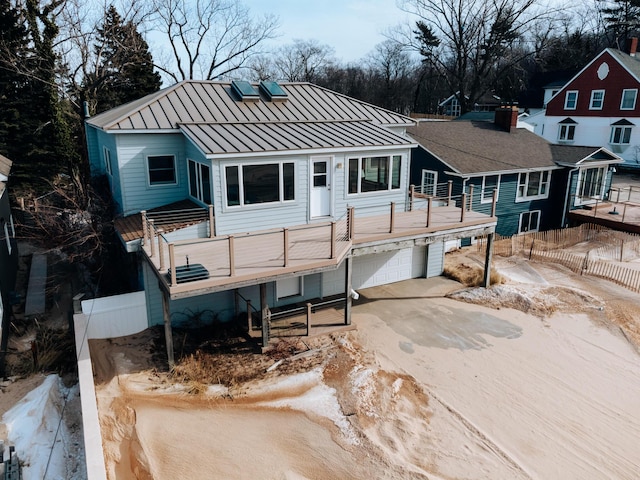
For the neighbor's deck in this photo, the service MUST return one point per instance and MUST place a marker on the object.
(255, 257)
(623, 216)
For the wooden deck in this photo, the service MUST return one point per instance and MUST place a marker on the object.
(257, 257)
(626, 217)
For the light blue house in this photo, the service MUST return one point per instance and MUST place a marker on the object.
(277, 194)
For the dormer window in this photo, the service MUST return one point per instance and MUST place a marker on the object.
(621, 132)
(571, 100)
(629, 99)
(567, 130)
(597, 100)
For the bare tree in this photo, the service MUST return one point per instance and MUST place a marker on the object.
(473, 43)
(302, 61)
(209, 38)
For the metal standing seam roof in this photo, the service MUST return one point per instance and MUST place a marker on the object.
(211, 102)
(230, 138)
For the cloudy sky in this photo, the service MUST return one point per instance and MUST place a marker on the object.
(351, 27)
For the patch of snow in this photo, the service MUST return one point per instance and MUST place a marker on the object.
(32, 425)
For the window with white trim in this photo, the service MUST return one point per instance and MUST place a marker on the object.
(571, 100)
(533, 185)
(200, 181)
(567, 132)
(259, 183)
(620, 135)
(107, 160)
(597, 100)
(529, 221)
(374, 174)
(591, 183)
(429, 182)
(162, 169)
(490, 183)
(628, 101)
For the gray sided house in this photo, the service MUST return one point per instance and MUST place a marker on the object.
(8, 250)
(536, 183)
(277, 194)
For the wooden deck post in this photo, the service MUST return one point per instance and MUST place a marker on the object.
(391, 217)
(308, 317)
(160, 250)
(265, 315)
(486, 280)
(470, 196)
(352, 218)
(595, 209)
(285, 235)
(449, 191)
(143, 217)
(212, 225)
(412, 192)
(463, 206)
(429, 207)
(151, 235)
(494, 202)
(249, 317)
(333, 240)
(172, 265)
(347, 289)
(624, 212)
(232, 261)
(168, 334)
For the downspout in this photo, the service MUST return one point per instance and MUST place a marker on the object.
(566, 196)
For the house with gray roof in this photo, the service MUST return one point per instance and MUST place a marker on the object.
(256, 198)
(535, 183)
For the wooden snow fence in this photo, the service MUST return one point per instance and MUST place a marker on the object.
(604, 262)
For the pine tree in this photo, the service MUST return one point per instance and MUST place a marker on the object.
(622, 19)
(125, 65)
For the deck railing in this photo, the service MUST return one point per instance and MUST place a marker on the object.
(441, 194)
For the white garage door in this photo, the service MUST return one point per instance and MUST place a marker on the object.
(388, 267)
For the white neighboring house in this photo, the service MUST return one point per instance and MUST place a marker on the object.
(598, 107)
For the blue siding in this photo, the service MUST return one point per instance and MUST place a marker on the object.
(133, 150)
(93, 149)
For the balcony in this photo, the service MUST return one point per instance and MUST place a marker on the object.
(204, 265)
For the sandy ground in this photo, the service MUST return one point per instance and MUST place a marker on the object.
(427, 387)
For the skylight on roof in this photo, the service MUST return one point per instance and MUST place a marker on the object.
(272, 90)
(245, 90)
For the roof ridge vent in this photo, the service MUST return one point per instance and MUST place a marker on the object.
(245, 91)
(273, 91)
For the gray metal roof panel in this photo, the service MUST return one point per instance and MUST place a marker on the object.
(212, 102)
(235, 138)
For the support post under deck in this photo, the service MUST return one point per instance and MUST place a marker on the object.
(486, 281)
(347, 289)
(168, 334)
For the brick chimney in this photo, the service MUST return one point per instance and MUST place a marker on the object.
(632, 44)
(506, 117)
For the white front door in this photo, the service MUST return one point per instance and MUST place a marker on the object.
(320, 197)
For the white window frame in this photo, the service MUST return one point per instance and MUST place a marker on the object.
(390, 188)
(287, 294)
(280, 200)
(635, 98)
(483, 194)
(161, 184)
(537, 227)
(435, 182)
(199, 187)
(565, 131)
(622, 129)
(592, 100)
(525, 175)
(575, 100)
(107, 160)
(582, 199)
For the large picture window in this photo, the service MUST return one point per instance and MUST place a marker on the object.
(533, 185)
(374, 174)
(259, 183)
(591, 183)
(162, 169)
